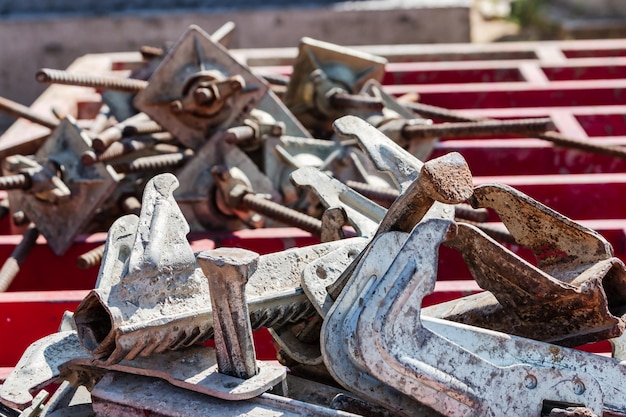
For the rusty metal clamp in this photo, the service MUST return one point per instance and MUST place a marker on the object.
(446, 365)
(575, 295)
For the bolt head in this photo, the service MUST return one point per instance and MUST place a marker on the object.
(530, 381)
(579, 387)
(176, 106)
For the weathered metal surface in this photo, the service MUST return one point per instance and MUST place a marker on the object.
(119, 394)
(574, 295)
(195, 369)
(151, 296)
(431, 361)
(322, 71)
(283, 155)
(363, 214)
(67, 190)
(295, 323)
(197, 193)
(38, 367)
(437, 183)
(199, 87)
(227, 271)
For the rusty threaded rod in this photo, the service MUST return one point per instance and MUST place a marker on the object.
(386, 196)
(55, 76)
(155, 162)
(149, 52)
(356, 101)
(435, 112)
(101, 121)
(240, 134)
(18, 110)
(383, 196)
(281, 213)
(124, 147)
(12, 265)
(91, 258)
(115, 133)
(147, 127)
(478, 128)
(15, 182)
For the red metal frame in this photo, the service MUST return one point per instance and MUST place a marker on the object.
(579, 84)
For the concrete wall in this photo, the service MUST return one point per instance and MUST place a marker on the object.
(32, 41)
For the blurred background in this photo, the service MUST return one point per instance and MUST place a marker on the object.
(53, 33)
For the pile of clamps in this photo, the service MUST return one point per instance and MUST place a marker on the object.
(194, 140)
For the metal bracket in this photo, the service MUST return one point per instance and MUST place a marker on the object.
(196, 195)
(282, 155)
(576, 293)
(198, 88)
(66, 216)
(320, 68)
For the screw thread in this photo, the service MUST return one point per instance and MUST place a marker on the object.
(283, 214)
(383, 196)
(15, 182)
(441, 113)
(478, 128)
(281, 314)
(91, 258)
(54, 76)
(147, 127)
(156, 162)
(467, 212)
(12, 265)
(114, 133)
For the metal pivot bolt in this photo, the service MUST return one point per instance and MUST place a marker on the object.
(227, 270)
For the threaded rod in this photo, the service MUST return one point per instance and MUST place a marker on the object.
(281, 213)
(12, 265)
(15, 182)
(441, 113)
(54, 76)
(15, 109)
(478, 128)
(91, 258)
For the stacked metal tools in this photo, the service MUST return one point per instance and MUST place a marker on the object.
(209, 144)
